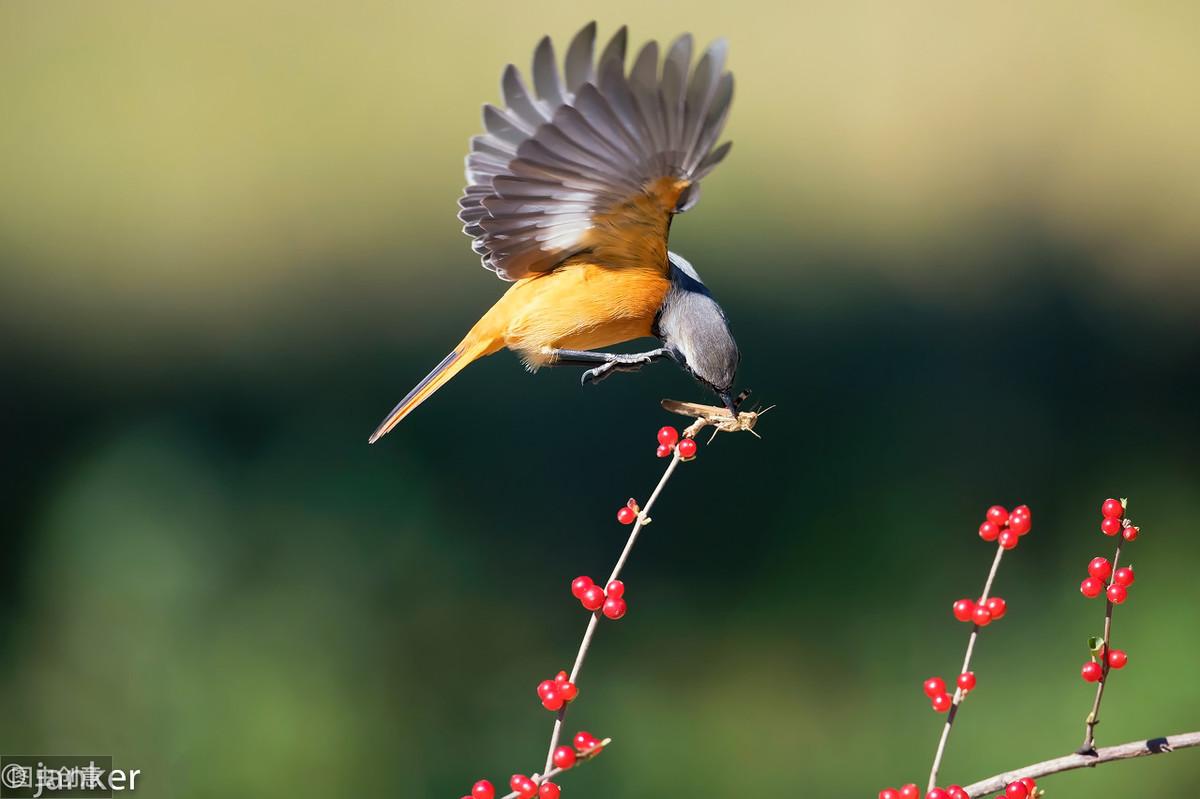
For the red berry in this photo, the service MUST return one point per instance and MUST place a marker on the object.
(1028, 783)
(889, 793)
(934, 686)
(668, 436)
(942, 702)
(1019, 524)
(966, 680)
(585, 741)
(981, 616)
(1110, 526)
(687, 448)
(1100, 568)
(1130, 532)
(593, 598)
(989, 531)
(553, 700)
(964, 609)
(1123, 576)
(1091, 587)
(579, 585)
(548, 790)
(1008, 539)
(568, 691)
(615, 588)
(483, 790)
(626, 515)
(664, 451)
(547, 688)
(564, 757)
(1016, 790)
(1112, 509)
(562, 676)
(1117, 594)
(997, 515)
(910, 791)
(936, 793)
(1091, 671)
(997, 607)
(1020, 510)
(614, 607)
(1117, 659)
(523, 786)
(957, 792)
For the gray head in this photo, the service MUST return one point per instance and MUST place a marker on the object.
(693, 326)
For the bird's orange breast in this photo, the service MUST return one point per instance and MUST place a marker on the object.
(581, 305)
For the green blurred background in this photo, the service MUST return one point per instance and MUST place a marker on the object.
(958, 245)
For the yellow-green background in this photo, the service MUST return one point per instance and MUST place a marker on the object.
(958, 245)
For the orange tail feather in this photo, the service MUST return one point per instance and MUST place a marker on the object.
(452, 364)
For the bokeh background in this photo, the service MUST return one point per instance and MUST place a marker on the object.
(958, 244)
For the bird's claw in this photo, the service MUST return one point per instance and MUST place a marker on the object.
(597, 374)
(618, 363)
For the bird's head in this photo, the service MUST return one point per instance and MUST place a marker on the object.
(692, 325)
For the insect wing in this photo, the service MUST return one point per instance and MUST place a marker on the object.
(695, 409)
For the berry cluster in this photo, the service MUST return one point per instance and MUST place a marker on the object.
(935, 689)
(557, 692)
(1094, 672)
(1100, 570)
(981, 612)
(1111, 522)
(668, 441)
(564, 757)
(610, 600)
(1024, 788)
(526, 788)
(1004, 527)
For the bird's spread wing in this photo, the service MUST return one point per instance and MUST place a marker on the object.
(594, 158)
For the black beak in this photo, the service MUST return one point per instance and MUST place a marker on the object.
(729, 403)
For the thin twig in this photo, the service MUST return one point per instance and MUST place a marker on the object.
(642, 518)
(1107, 754)
(966, 666)
(1089, 733)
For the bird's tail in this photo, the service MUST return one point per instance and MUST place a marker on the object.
(471, 348)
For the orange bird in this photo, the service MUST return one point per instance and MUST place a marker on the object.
(570, 195)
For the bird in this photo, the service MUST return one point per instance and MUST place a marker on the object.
(571, 192)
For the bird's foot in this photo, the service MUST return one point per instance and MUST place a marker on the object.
(616, 363)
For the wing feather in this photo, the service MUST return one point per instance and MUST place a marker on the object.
(673, 86)
(578, 65)
(545, 74)
(518, 99)
(594, 158)
(614, 51)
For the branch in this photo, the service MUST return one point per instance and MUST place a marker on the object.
(585, 644)
(703, 415)
(958, 692)
(1107, 754)
(1089, 733)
